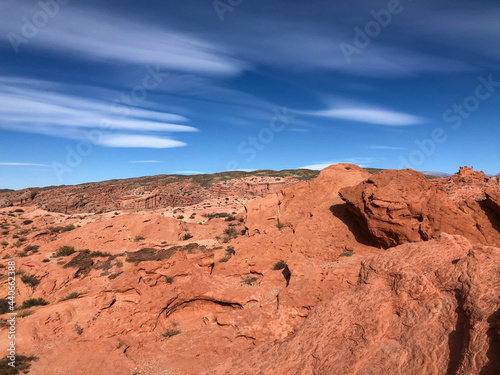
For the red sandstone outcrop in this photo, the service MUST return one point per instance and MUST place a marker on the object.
(151, 300)
(425, 308)
(402, 206)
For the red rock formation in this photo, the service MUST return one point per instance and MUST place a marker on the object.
(402, 206)
(426, 308)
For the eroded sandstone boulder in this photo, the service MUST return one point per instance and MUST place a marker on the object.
(401, 206)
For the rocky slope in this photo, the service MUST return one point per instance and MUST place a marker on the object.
(155, 192)
(289, 283)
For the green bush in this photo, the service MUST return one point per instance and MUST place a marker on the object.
(64, 251)
(171, 332)
(279, 265)
(71, 296)
(67, 228)
(230, 233)
(348, 253)
(249, 280)
(33, 302)
(30, 280)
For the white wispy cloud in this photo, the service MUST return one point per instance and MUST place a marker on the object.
(43, 107)
(91, 34)
(24, 164)
(138, 141)
(370, 115)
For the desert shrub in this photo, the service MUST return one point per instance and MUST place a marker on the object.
(229, 253)
(4, 243)
(67, 228)
(279, 225)
(33, 302)
(72, 295)
(15, 236)
(138, 238)
(97, 254)
(30, 280)
(230, 233)
(348, 253)
(31, 248)
(19, 211)
(219, 215)
(24, 313)
(230, 218)
(22, 365)
(171, 332)
(64, 251)
(249, 280)
(187, 236)
(279, 265)
(5, 232)
(27, 222)
(4, 306)
(18, 243)
(114, 276)
(169, 279)
(180, 217)
(46, 260)
(79, 330)
(347, 168)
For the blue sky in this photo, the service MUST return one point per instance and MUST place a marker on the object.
(92, 91)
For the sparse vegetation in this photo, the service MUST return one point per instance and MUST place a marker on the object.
(30, 280)
(249, 280)
(72, 295)
(24, 313)
(114, 276)
(279, 265)
(219, 215)
(64, 251)
(187, 236)
(79, 330)
(229, 254)
(169, 279)
(4, 306)
(46, 260)
(138, 239)
(347, 253)
(18, 210)
(66, 228)
(4, 243)
(27, 222)
(180, 217)
(171, 332)
(229, 233)
(33, 302)
(22, 365)
(348, 168)
(279, 225)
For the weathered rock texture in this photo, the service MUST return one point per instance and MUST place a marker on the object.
(402, 206)
(426, 308)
